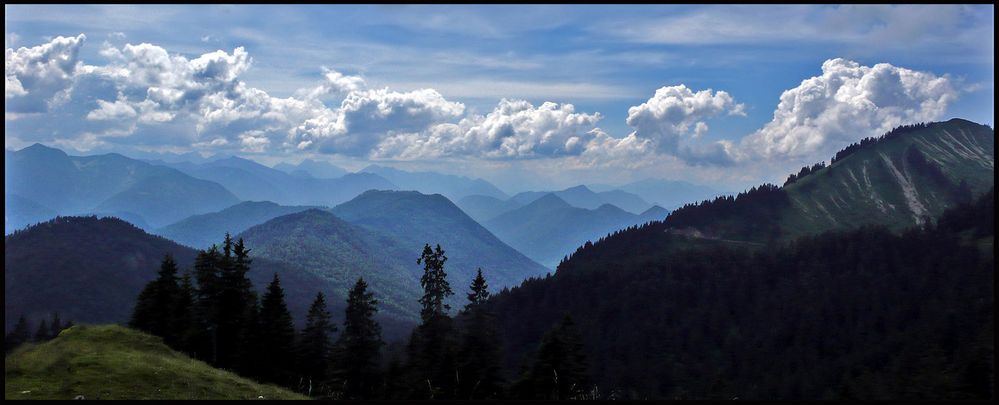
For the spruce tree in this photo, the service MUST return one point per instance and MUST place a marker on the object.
(432, 364)
(479, 354)
(153, 312)
(203, 338)
(358, 348)
(315, 346)
(17, 336)
(275, 335)
(183, 322)
(560, 368)
(235, 302)
(436, 289)
(42, 333)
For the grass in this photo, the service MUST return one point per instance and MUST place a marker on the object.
(114, 362)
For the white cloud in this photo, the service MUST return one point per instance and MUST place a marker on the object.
(38, 77)
(668, 116)
(118, 110)
(846, 103)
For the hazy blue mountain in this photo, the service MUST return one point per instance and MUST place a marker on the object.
(317, 242)
(317, 169)
(414, 219)
(111, 184)
(201, 231)
(253, 181)
(625, 200)
(166, 198)
(549, 228)
(451, 186)
(665, 193)
(19, 212)
(655, 213)
(483, 208)
(583, 197)
(91, 270)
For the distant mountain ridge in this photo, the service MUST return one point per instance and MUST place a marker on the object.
(583, 197)
(201, 231)
(451, 186)
(317, 169)
(414, 219)
(110, 183)
(548, 228)
(666, 193)
(253, 181)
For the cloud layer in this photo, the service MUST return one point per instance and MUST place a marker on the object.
(145, 96)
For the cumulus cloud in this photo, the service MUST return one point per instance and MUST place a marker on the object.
(669, 116)
(36, 78)
(118, 110)
(846, 103)
(516, 129)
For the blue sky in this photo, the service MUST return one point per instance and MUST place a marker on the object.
(675, 92)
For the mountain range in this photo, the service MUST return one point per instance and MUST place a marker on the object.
(201, 231)
(46, 180)
(253, 181)
(451, 186)
(415, 219)
(549, 228)
(313, 168)
(665, 193)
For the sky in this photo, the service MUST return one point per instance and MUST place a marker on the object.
(527, 97)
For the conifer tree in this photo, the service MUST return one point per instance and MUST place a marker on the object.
(560, 368)
(432, 372)
(436, 289)
(479, 354)
(203, 337)
(275, 335)
(153, 312)
(17, 336)
(249, 362)
(42, 333)
(315, 346)
(183, 322)
(235, 302)
(359, 346)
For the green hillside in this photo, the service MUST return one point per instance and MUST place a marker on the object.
(319, 243)
(898, 182)
(201, 231)
(113, 362)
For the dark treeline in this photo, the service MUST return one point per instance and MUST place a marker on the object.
(725, 216)
(869, 141)
(805, 171)
(850, 149)
(212, 313)
(22, 332)
(860, 314)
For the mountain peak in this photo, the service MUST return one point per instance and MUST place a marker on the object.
(578, 189)
(39, 149)
(550, 200)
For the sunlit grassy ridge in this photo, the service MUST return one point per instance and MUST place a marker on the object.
(114, 362)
